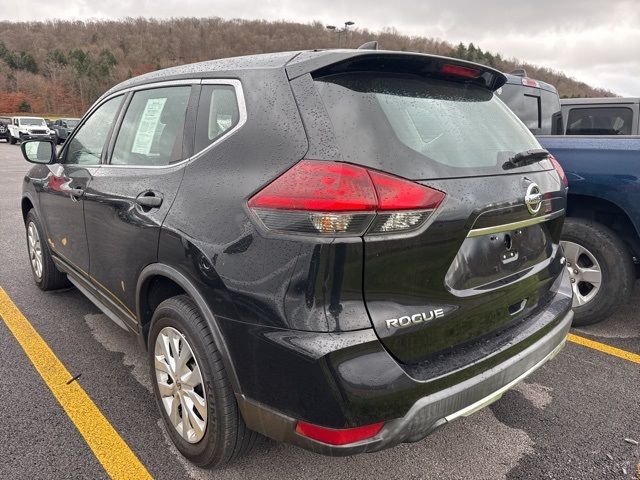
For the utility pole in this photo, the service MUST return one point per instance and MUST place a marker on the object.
(340, 31)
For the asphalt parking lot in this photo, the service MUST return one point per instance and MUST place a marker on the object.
(569, 420)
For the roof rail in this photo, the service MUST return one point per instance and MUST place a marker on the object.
(369, 46)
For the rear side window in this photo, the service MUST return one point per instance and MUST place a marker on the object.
(524, 102)
(152, 129)
(600, 121)
(435, 128)
(551, 123)
(217, 114)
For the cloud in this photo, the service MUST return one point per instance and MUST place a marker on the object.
(593, 41)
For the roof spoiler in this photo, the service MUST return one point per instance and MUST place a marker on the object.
(331, 62)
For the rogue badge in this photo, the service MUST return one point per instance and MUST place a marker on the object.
(405, 321)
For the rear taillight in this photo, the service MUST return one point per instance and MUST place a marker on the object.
(560, 170)
(333, 198)
(334, 436)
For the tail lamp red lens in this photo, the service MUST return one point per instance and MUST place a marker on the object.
(459, 71)
(338, 436)
(560, 170)
(334, 198)
(319, 186)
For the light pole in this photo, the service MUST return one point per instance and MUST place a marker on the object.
(340, 31)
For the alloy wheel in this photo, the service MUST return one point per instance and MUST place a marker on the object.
(35, 249)
(584, 272)
(180, 384)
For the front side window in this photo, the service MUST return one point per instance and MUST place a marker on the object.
(152, 129)
(85, 148)
(217, 114)
(600, 121)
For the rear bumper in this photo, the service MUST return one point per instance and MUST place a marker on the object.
(428, 412)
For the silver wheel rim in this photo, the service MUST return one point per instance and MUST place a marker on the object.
(35, 250)
(180, 384)
(584, 272)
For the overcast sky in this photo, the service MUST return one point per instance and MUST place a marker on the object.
(596, 41)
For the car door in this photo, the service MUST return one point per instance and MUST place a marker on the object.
(61, 193)
(129, 197)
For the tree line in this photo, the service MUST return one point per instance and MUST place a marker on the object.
(61, 67)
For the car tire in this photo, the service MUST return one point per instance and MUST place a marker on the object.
(12, 140)
(222, 435)
(596, 248)
(45, 273)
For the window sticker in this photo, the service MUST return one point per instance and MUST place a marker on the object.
(148, 125)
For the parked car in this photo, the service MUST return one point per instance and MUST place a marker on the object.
(63, 128)
(4, 128)
(601, 116)
(601, 235)
(536, 103)
(25, 128)
(305, 246)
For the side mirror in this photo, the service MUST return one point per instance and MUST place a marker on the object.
(42, 152)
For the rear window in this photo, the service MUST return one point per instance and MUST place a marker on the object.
(600, 121)
(422, 128)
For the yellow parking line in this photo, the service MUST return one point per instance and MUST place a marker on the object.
(107, 445)
(603, 347)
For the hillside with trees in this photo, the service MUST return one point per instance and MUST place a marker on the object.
(61, 67)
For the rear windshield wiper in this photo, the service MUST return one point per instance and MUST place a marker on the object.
(526, 158)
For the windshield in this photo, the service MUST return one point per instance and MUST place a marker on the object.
(72, 123)
(32, 122)
(442, 128)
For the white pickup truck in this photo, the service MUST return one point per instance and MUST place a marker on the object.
(24, 128)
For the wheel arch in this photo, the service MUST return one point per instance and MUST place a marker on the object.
(608, 214)
(173, 279)
(26, 204)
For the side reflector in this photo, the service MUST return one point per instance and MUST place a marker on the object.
(459, 71)
(338, 436)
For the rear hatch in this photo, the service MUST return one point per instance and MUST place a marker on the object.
(484, 260)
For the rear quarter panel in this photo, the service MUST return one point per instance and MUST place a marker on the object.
(601, 167)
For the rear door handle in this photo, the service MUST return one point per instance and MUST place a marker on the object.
(149, 199)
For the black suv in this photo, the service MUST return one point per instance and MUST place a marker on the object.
(339, 249)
